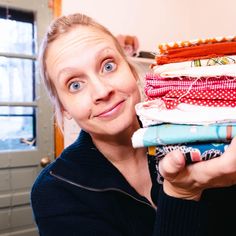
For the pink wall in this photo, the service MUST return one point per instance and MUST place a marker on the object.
(156, 21)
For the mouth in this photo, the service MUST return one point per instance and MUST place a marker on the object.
(111, 111)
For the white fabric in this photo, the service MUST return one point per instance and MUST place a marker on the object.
(154, 112)
(179, 69)
(137, 138)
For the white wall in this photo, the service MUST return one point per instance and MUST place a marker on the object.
(156, 21)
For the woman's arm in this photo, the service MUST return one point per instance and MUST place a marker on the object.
(179, 217)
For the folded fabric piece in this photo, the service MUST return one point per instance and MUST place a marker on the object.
(172, 133)
(155, 112)
(213, 98)
(157, 86)
(227, 70)
(202, 51)
(165, 69)
(165, 47)
(207, 151)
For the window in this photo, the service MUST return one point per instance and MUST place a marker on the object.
(17, 80)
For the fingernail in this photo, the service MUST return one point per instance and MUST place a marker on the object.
(191, 157)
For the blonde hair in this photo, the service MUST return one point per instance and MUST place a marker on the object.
(58, 27)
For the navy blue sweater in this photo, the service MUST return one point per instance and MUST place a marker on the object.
(82, 193)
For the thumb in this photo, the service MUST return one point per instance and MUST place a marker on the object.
(171, 165)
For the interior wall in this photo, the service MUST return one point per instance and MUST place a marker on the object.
(156, 21)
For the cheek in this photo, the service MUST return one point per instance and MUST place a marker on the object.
(124, 79)
(77, 107)
(81, 110)
(130, 86)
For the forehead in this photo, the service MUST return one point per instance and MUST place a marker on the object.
(79, 40)
(83, 36)
(79, 46)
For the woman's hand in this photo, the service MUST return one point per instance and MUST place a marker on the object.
(189, 181)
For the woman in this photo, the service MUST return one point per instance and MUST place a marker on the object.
(101, 185)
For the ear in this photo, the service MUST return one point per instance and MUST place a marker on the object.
(67, 115)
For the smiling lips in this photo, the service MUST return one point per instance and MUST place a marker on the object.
(111, 111)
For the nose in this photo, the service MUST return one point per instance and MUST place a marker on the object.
(101, 89)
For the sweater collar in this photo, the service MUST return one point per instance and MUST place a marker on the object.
(82, 163)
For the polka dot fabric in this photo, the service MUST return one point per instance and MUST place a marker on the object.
(211, 98)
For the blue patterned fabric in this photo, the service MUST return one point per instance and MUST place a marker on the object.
(166, 134)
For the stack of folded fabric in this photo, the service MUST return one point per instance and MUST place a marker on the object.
(191, 98)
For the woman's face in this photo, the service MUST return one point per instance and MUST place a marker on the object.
(95, 85)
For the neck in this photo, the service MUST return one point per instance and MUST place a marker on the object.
(131, 162)
(117, 147)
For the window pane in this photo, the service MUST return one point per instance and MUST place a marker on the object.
(16, 37)
(17, 125)
(16, 80)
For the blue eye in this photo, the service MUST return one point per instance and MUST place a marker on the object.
(109, 66)
(74, 86)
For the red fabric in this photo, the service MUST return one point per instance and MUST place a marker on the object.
(164, 47)
(157, 86)
(203, 51)
(212, 98)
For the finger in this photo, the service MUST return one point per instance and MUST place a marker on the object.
(228, 159)
(225, 164)
(232, 147)
(172, 164)
(219, 171)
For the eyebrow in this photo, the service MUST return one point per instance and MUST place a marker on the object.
(69, 70)
(65, 71)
